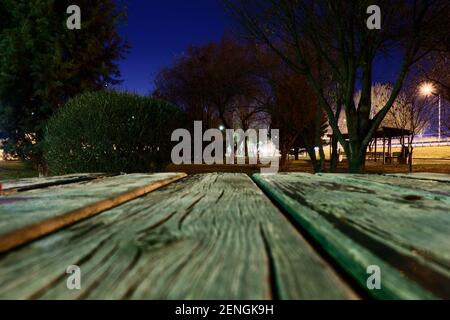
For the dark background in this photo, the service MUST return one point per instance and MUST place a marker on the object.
(160, 30)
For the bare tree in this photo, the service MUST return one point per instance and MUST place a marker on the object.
(293, 109)
(336, 31)
(411, 112)
(210, 82)
(183, 84)
(436, 69)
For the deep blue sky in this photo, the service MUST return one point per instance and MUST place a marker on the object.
(159, 30)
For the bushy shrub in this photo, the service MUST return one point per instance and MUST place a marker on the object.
(111, 132)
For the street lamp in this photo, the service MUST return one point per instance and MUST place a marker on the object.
(427, 89)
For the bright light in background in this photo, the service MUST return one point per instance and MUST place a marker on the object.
(427, 89)
(221, 128)
(268, 149)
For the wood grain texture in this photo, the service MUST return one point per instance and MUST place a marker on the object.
(29, 216)
(213, 236)
(360, 222)
(441, 177)
(430, 185)
(20, 185)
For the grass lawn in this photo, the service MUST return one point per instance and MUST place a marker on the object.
(420, 165)
(441, 152)
(426, 159)
(10, 170)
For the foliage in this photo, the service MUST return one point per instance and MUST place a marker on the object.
(43, 63)
(111, 132)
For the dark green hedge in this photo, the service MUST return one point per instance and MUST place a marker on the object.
(111, 132)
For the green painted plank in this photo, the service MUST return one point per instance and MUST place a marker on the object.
(441, 177)
(212, 236)
(362, 223)
(434, 187)
(24, 210)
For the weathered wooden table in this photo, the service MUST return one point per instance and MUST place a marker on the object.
(226, 236)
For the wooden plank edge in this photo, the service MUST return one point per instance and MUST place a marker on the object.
(439, 177)
(33, 232)
(14, 190)
(337, 250)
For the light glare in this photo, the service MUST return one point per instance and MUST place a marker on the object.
(427, 89)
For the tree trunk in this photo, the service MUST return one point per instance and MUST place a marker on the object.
(355, 164)
(317, 166)
(246, 154)
(320, 168)
(410, 159)
(283, 159)
(410, 154)
(334, 154)
(356, 156)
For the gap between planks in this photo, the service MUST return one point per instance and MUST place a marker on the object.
(35, 231)
(341, 272)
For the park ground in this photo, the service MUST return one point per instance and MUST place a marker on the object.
(426, 159)
(10, 170)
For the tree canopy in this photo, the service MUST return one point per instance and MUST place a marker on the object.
(43, 63)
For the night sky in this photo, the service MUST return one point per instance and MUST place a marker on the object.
(160, 30)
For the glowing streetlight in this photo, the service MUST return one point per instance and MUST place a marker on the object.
(221, 128)
(427, 89)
